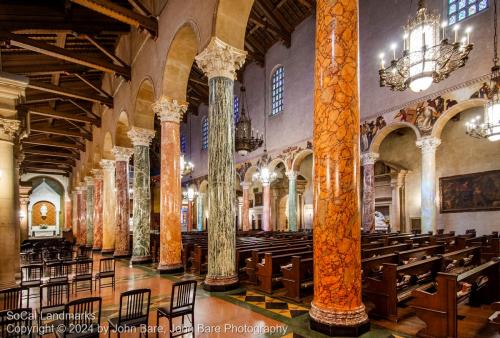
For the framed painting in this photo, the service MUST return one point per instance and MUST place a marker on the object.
(470, 192)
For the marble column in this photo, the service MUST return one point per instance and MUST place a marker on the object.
(67, 212)
(266, 206)
(245, 210)
(292, 201)
(89, 181)
(240, 212)
(189, 224)
(74, 211)
(98, 209)
(428, 145)
(199, 213)
(8, 229)
(141, 139)
(108, 206)
(170, 113)
(368, 162)
(397, 182)
(122, 233)
(220, 62)
(82, 216)
(337, 308)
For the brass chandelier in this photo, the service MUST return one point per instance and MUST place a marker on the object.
(245, 139)
(427, 54)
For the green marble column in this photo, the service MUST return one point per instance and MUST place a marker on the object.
(141, 138)
(199, 211)
(220, 61)
(292, 201)
(89, 180)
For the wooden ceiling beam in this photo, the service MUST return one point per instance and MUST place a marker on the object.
(58, 131)
(275, 17)
(56, 144)
(121, 14)
(106, 52)
(77, 94)
(46, 170)
(63, 54)
(35, 69)
(49, 161)
(48, 112)
(51, 154)
(140, 7)
(266, 25)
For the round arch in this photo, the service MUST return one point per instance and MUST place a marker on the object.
(384, 132)
(275, 162)
(107, 147)
(203, 188)
(447, 115)
(143, 113)
(299, 157)
(231, 21)
(247, 178)
(122, 127)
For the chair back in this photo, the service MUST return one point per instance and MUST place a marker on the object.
(83, 313)
(134, 304)
(107, 265)
(84, 253)
(11, 298)
(84, 267)
(54, 294)
(35, 257)
(16, 323)
(183, 295)
(33, 272)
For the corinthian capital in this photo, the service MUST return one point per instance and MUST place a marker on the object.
(97, 173)
(220, 59)
(169, 110)
(8, 129)
(428, 144)
(369, 158)
(89, 180)
(122, 153)
(107, 164)
(141, 136)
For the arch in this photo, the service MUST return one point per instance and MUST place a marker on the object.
(384, 132)
(299, 157)
(448, 114)
(231, 21)
(143, 112)
(180, 58)
(275, 162)
(107, 147)
(249, 173)
(122, 127)
(203, 187)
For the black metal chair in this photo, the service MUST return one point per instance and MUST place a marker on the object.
(133, 311)
(35, 257)
(82, 318)
(181, 304)
(83, 275)
(11, 299)
(16, 323)
(31, 277)
(53, 298)
(84, 253)
(106, 271)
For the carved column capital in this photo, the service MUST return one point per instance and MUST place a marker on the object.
(89, 180)
(141, 136)
(97, 173)
(245, 185)
(220, 59)
(369, 158)
(24, 201)
(122, 153)
(8, 129)
(292, 175)
(428, 144)
(107, 164)
(169, 110)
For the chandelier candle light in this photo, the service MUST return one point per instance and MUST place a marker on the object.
(246, 139)
(490, 127)
(187, 167)
(427, 54)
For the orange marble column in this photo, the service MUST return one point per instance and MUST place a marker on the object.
(337, 308)
(245, 210)
(170, 113)
(189, 224)
(98, 211)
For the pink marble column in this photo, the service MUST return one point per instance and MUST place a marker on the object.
(97, 173)
(82, 216)
(368, 162)
(122, 157)
(189, 225)
(266, 209)
(67, 213)
(245, 221)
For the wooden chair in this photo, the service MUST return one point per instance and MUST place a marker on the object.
(83, 275)
(11, 299)
(53, 298)
(31, 277)
(83, 315)
(133, 311)
(106, 271)
(181, 304)
(16, 323)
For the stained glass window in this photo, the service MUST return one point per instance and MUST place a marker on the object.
(459, 10)
(183, 143)
(277, 90)
(236, 109)
(204, 133)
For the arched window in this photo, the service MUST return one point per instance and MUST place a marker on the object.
(236, 109)
(459, 10)
(183, 143)
(277, 90)
(204, 133)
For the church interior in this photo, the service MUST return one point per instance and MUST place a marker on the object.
(249, 168)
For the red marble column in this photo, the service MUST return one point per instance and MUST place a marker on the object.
(245, 221)
(122, 157)
(189, 224)
(170, 113)
(337, 308)
(67, 212)
(82, 216)
(266, 208)
(368, 162)
(97, 208)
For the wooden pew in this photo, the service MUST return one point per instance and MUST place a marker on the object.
(492, 250)
(419, 253)
(385, 250)
(298, 277)
(438, 306)
(394, 287)
(461, 260)
(372, 267)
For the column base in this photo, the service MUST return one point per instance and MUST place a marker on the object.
(107, 251)
(141, 259)
(220, 284)
(96, 249)
(173, 268)
(122, 254)
(351, 323)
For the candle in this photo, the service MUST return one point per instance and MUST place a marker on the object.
(468, 30)
(393, 47)
(405, 36)
(456, 32)
(443, 26)
(381, 60)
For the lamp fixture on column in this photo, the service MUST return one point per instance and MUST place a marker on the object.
(490, 127)
(245, 139)
(189, 194)
(427, 54)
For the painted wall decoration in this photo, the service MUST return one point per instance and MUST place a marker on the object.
(369, 129)
(470, 192)
(43, 213)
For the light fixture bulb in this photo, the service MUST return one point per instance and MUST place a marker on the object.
(420, 84)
